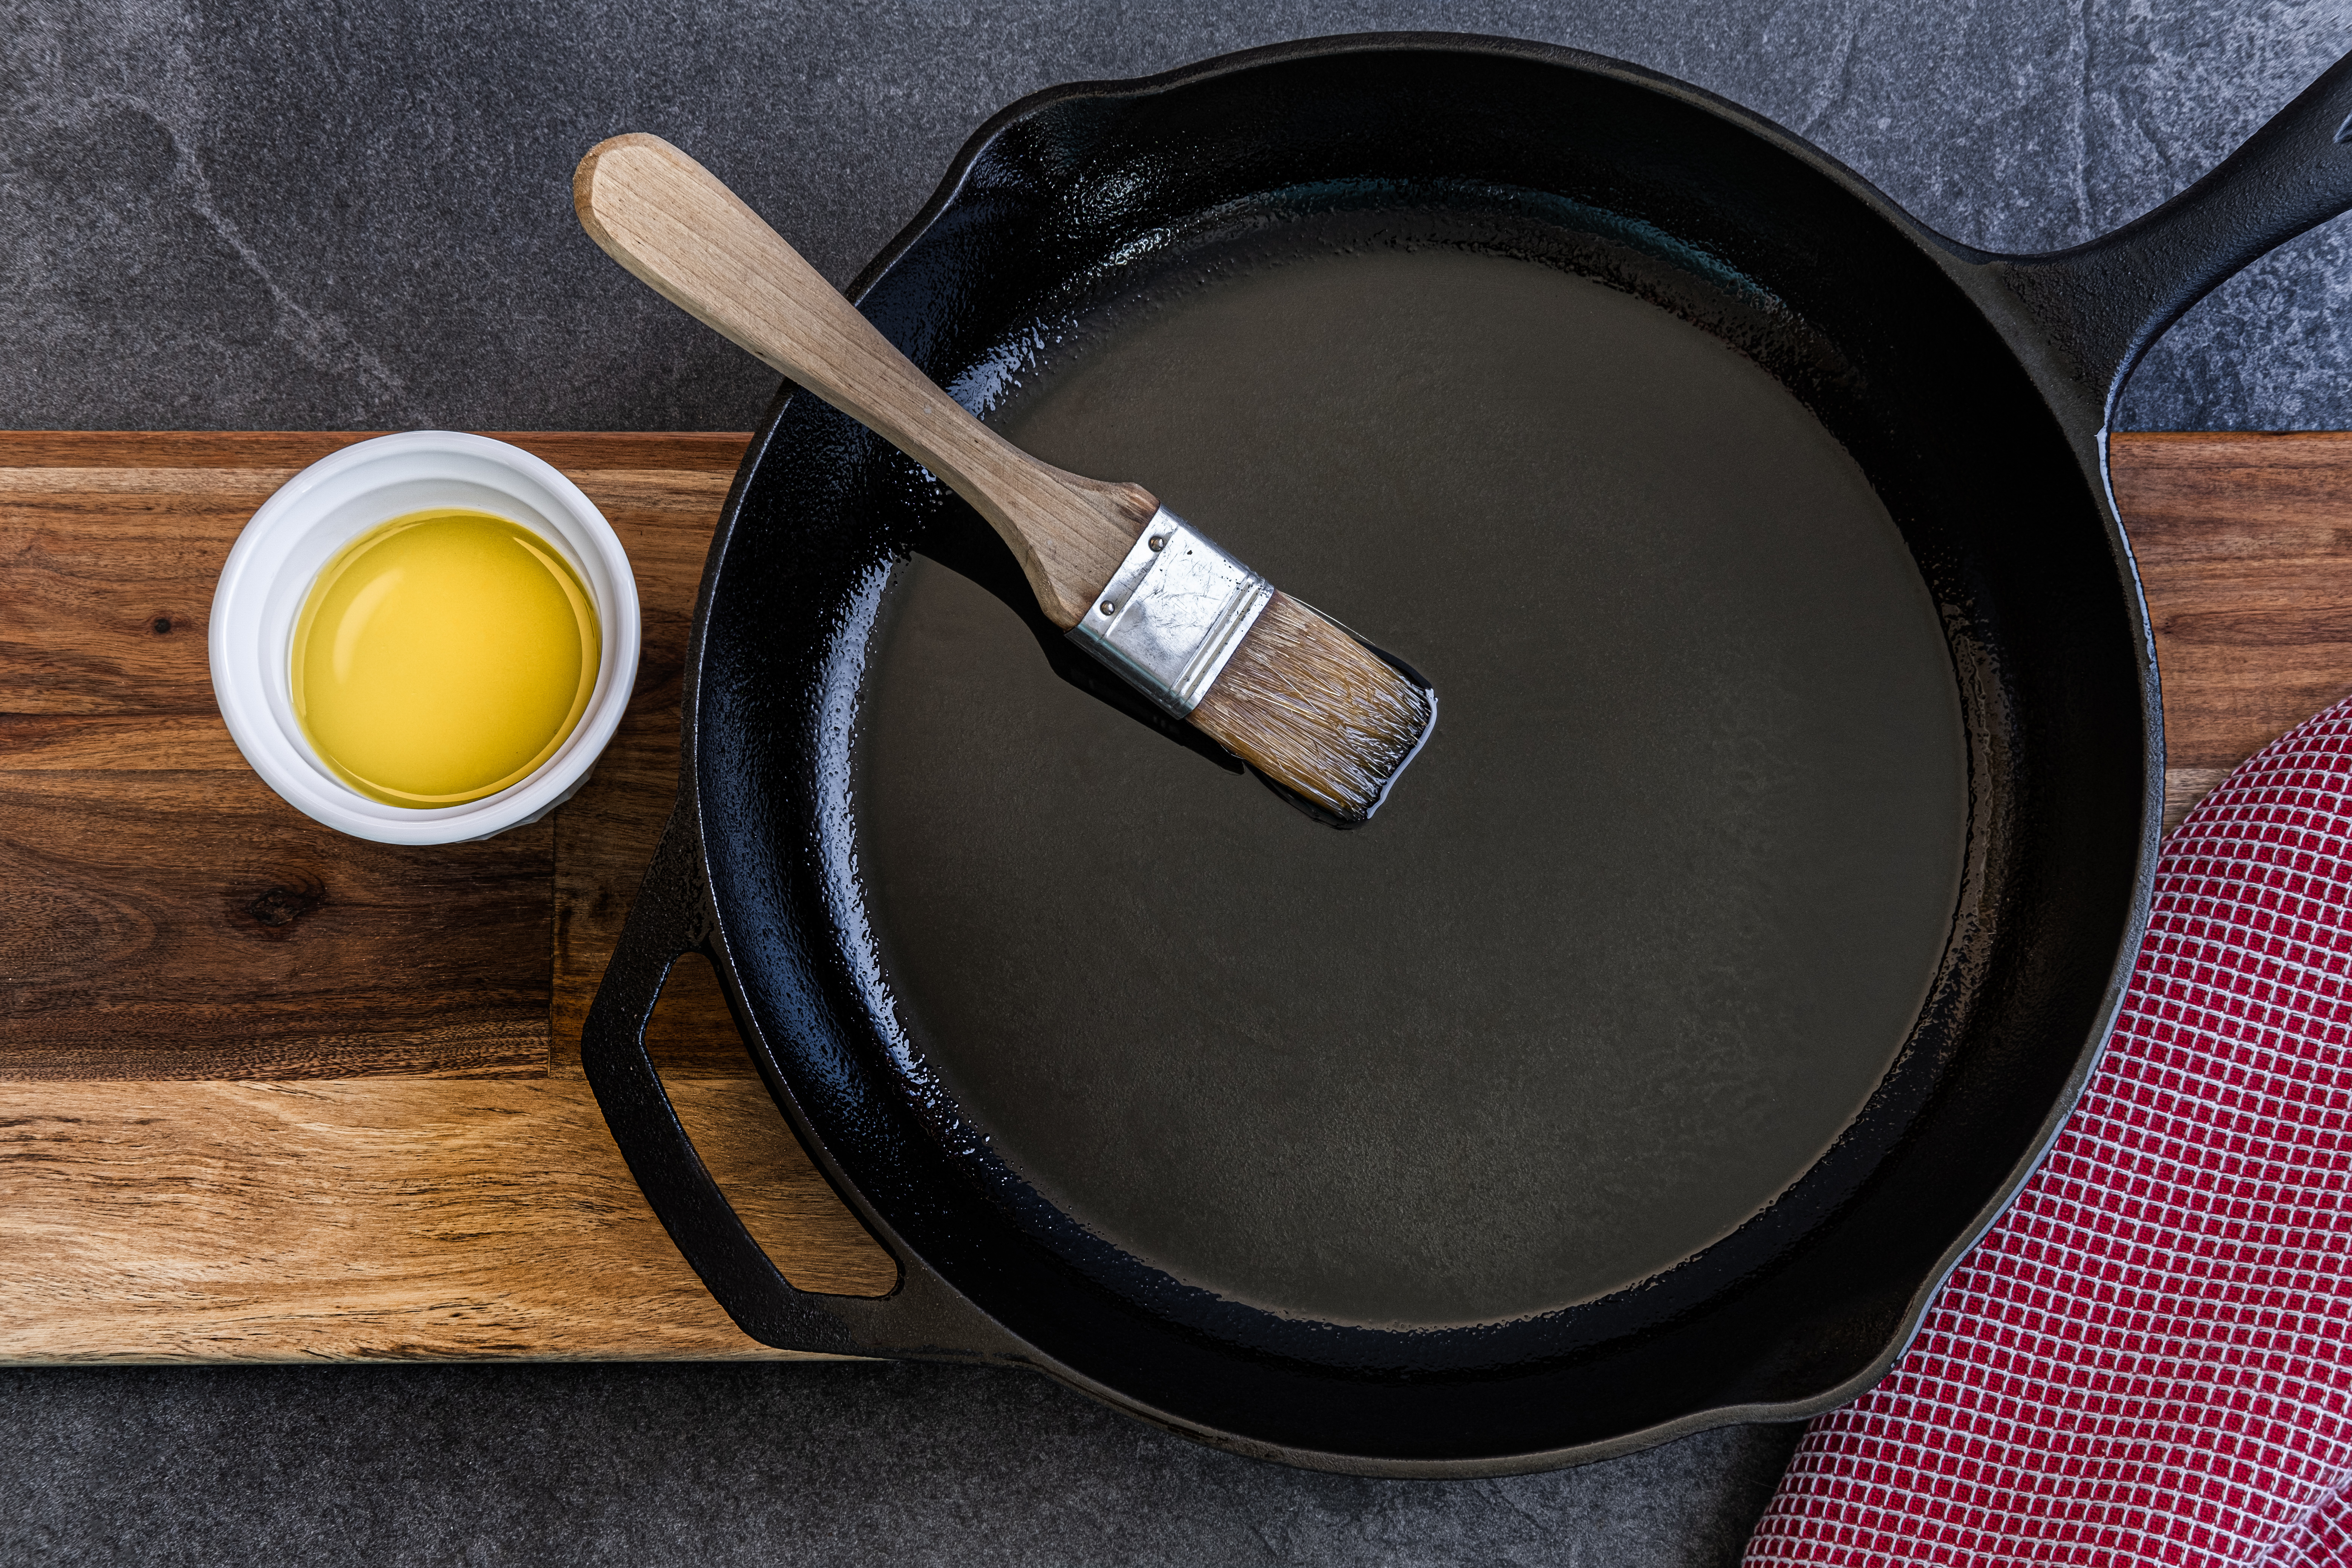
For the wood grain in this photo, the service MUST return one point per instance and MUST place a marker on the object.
(677, 229)
(162, 915)
(391, 1219)
(170, 924)
(2245, 548)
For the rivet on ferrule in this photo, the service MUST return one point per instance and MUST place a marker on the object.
(1172, 614)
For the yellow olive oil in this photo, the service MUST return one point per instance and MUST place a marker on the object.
(442, 656)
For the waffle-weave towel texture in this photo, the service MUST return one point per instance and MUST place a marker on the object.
(2147, 1360)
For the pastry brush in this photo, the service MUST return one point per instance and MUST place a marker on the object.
(1273, 681)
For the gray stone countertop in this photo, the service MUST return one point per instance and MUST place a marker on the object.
(356, 214)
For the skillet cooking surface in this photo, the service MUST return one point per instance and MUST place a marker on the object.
(1638, 932)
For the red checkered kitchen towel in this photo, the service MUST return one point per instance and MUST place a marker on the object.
(2149, 1359)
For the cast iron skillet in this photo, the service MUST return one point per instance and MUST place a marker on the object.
(1971, 389)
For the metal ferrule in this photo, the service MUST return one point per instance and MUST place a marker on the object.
(1174, 614)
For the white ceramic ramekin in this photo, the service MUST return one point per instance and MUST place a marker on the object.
(324, 508)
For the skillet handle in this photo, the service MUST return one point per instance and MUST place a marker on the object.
(2102, 304)
(923, 1317)
(669, 921)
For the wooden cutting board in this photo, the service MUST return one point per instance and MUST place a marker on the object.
(270, 1093)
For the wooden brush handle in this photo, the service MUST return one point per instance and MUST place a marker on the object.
(670, 221)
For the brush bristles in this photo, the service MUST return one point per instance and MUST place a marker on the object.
(1311, 708)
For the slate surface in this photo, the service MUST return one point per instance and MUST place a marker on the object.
(842, 1465)
(356, 214)
(253, 216)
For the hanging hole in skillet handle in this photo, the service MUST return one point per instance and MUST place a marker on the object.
(2100, 305)
(922, 1316)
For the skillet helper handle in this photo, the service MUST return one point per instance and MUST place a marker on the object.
(666, 922)
(680, 231)
(2105, 302)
